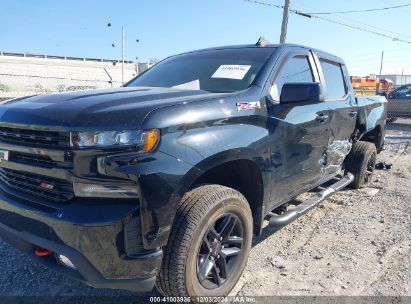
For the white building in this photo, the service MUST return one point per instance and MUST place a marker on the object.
(397, 79)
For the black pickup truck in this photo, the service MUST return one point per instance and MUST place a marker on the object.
(164, 181)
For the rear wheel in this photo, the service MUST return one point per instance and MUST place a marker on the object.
(361, 163)
(209, 243)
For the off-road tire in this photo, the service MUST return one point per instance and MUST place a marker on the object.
(358, 163)
(198, 209)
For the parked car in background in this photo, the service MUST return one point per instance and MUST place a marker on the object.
(399, 103)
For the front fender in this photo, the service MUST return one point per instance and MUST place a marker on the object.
(194, 138)
(196, 131)
(163, 180)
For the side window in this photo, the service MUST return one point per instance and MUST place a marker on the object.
(334, 79)
(403, 93)
(296, 69)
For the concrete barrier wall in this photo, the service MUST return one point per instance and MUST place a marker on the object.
(20, 76)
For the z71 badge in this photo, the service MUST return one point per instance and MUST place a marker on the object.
(248, 105)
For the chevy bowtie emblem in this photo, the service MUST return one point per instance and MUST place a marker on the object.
(4, 155)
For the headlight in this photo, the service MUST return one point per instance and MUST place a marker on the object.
(147, 140)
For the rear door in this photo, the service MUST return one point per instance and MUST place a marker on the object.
(342, 108)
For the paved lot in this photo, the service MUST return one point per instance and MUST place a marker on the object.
(358, 242)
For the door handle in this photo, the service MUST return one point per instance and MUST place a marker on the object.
(321, 117)
(352, 113)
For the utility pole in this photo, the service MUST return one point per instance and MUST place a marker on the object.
(122, 50)
(382, 59)
(402, 76)
(122, 54)
(378, 83)
(285, 21)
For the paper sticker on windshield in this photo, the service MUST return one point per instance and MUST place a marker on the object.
(231, 71)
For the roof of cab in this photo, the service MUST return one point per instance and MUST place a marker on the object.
(284, 46)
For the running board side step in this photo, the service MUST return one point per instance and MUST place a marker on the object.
(278, 221)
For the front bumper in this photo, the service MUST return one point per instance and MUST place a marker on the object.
(90, 234)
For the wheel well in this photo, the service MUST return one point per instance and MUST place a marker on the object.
(375, 136)
(243, 176)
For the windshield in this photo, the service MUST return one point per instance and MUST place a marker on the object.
(216, 71)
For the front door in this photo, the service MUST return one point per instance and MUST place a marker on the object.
(304, 132)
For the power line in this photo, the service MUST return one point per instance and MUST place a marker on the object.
(362, 29)
(297, 12)
(293, 11)
(374, 27)
(361, 11)
(265, 3)
(405, 11)
(371, 26)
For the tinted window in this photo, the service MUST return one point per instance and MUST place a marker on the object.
(226, 70)
(333, 79)
(296, 69)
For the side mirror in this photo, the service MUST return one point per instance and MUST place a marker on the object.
(304, 92)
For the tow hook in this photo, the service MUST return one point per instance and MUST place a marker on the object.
(42, 252)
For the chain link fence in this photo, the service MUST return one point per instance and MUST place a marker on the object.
(24, 74)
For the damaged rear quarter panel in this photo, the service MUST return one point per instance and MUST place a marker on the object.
(372, 113)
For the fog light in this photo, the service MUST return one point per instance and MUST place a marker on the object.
(112, 191)
(65, 261)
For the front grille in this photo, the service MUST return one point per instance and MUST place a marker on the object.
(39, 186)
(37, 160)
(35, 137)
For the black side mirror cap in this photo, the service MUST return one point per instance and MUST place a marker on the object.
(301, 92)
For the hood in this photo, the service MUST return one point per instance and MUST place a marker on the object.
(111, 109)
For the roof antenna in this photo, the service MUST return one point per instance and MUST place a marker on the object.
(262, 42)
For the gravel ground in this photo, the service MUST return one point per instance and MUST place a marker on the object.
(358, 242)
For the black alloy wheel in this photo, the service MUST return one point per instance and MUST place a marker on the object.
(220, 251)
(209, 244)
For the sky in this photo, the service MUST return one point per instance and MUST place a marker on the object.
(163, 28)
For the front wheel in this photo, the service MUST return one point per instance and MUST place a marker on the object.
(209, 243)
